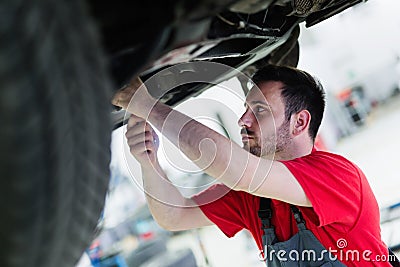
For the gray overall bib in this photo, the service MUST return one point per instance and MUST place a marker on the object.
(301, 250)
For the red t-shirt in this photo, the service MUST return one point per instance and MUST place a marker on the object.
(344, 217)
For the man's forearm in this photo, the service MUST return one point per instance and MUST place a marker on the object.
(212, 152)
(219, 157)
(164, 199)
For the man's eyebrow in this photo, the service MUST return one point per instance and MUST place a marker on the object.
(257, 102)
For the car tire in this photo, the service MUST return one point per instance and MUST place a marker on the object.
(55, 132)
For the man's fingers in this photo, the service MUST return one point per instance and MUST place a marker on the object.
(142, 147)
(123, 96)
(136, 82)
(139, 138)
(134, 120)
(115, 100)
(121, 99)
(138, 128)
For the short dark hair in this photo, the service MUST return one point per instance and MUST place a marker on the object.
(301, 91)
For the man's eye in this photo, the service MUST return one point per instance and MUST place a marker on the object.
(259, 109)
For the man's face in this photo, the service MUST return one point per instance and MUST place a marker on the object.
(265, 131)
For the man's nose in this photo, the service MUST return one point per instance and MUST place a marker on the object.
(245, 121)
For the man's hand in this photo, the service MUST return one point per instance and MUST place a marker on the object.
(142, 101)
(142, 140)
(124, 95)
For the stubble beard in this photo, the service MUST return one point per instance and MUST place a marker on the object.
(271, 145)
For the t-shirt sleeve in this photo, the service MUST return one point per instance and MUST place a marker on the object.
(221, 205)
(332, 184)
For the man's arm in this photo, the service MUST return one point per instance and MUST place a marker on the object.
(182, 214)
(226, 161)
(169, 208)
(215, 154)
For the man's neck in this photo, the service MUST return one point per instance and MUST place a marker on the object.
(292, 152)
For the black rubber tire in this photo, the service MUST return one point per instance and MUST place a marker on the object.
(54, 133)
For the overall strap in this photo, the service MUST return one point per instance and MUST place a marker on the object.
(269, 236)
(265, 215)
(301, 224)
(265, 212)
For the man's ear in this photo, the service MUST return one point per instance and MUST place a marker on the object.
(301, 122)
